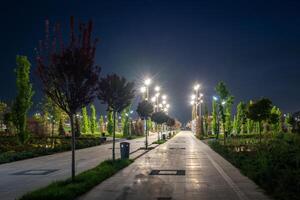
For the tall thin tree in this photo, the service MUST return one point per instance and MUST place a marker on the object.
(67, 71)
(117, 94)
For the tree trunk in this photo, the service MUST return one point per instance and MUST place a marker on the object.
(146, 120)
(73, 145)
(157, 131)
(259, 124)
(114, 136)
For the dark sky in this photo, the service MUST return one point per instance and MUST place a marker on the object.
(254, 46)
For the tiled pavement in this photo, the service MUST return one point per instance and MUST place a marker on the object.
(207, 176)
(19, 177)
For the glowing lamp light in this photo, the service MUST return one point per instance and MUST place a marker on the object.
(143, 89)
(147, 81)
(157, 88)
(196, 87)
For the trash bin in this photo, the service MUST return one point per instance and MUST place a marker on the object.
(164, 136)
(124, 150)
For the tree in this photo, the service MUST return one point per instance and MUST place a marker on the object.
(259, 111)
(61, 130)
(77, 127)
(93, 122)
(144, 110)
(101, 124)
(23, 101)
(214, 124)
(289, 121)
(117, 93)
(125, 120)
(85, 120)
(228, 108)
(159, 117)
(225, 98)
(51, 112)
(206, 120)
(67, 71)
(240, 117)
(275, 119)
(3, 110)
(110, 122)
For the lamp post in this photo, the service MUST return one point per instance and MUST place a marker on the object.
(196, 102)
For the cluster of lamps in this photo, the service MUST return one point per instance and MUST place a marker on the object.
(158, 100)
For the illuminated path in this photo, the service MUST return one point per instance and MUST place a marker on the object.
(14, 184)
(204, 175)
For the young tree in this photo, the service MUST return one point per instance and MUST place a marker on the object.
(159, 118)
(225, 98)
(93, 123)
(61, 130)
(144, 110)
(101, 124)
(240, 117)
(110, 122)
(3, 110)
(206, 120)
(125, 120)
(117, 93)
(259, 111)
(85, 120)
(214, 123)
(23, 100)
(77, 127)
(275, 119)
(68, 72)
(289, 121)
(228, 108)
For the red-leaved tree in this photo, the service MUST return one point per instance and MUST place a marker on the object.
(67, 71)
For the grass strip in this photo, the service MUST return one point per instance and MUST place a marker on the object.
(85, 181)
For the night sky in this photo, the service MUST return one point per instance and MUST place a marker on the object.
(254, 46)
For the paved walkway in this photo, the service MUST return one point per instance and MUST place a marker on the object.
(204, 175)
(46, 169)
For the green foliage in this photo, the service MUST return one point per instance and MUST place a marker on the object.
(225, 104)
(77, 127)
(93, 123)
(85, 121)
(206, 120)
(23, 100)
(3, 110)
(101, 124)
(61, 130)
(289, 121)
(240, 117)
(125, 121)
(145, 109)
(11, 150)
(110, 122)
(275, 119)
(228, 108)
(214, 123)
(273, 164)
(85, 181)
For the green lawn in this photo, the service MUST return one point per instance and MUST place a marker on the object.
(68, 190)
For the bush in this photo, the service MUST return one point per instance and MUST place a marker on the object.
(274, 164)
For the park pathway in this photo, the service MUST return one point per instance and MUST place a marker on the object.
(20, 177)
(182, 168)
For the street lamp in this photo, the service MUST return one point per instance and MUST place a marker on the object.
(164, 97)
